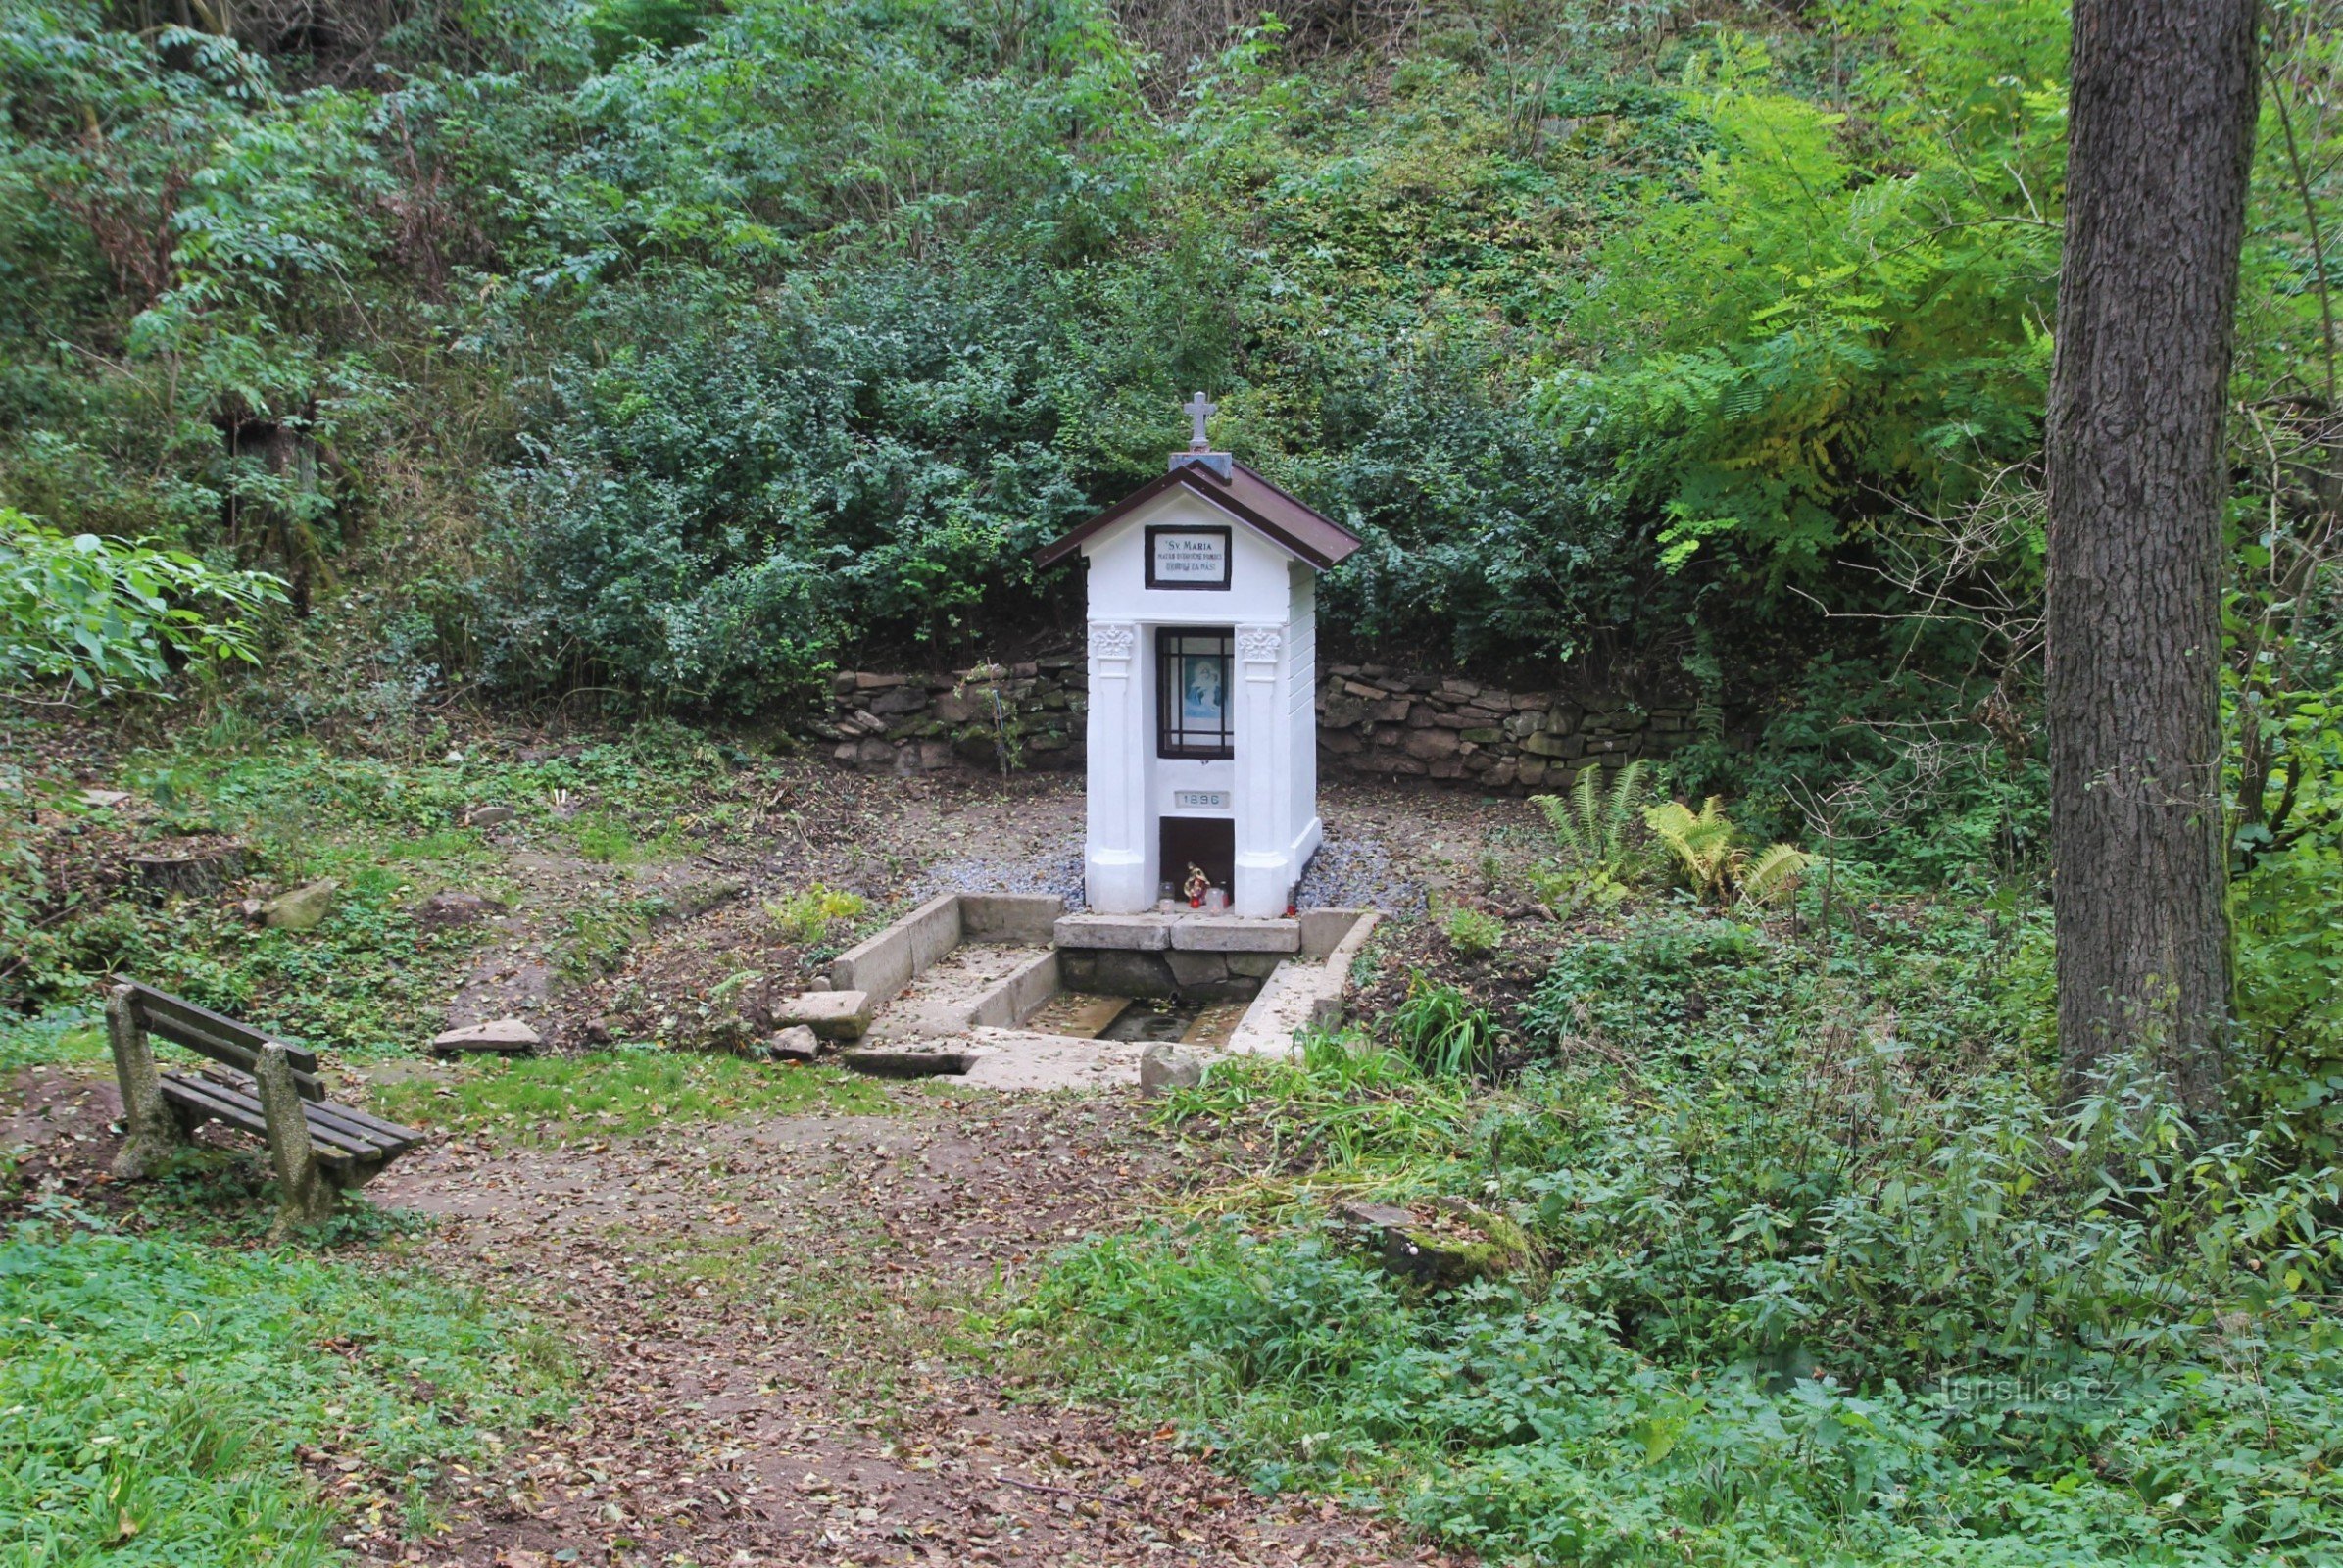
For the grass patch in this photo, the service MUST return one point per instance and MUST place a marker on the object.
(619, 1092)
(608, 838)
(156, 1395)
(69, 1036)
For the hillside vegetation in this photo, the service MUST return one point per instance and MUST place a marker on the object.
(405, 405)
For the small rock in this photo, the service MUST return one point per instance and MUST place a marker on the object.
(507, 1037)
(455, 909)
(797, 1043)
(103, 800)
(487, 816)
(598, 1031)
(252, 911)
(452, 756)
(1164, 1066)
(820, 982)
(302, 909)
(698, 897)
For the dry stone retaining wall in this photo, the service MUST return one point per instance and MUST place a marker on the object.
(1373, 719)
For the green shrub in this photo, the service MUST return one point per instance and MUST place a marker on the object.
(1824, 1278)
(806, 917)
(98, 615)
(1442, 1031)
(1472, 933)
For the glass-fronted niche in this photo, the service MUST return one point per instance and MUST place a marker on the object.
(1191, 705)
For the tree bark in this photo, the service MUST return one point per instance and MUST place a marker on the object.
(2160, 141)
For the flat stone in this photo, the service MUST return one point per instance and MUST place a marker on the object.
(700, 895)
(455, 909)
(1428, 745)
(1140, 933)
(488, 815)
(831, 1014)
(302, 909)
(1546, 743)
(900, 699)
(1228, 933)
(103, 799)
(1164, 1066)
(506, 1036)
(912, 1061)
(797, 1043)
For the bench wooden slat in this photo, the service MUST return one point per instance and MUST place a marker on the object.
(361, 1127)
(388, 1136)
(220, 1038)
(239, 1109)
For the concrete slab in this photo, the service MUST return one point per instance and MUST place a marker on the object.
(1016, 995)
(1076, 1015)
(897, 956)
(1129, 933)
(943, 1059)
(1014, 1059)
(1282, 1008)
(1228, 933)
(1327, 1012)
(946, 997)
(831, 1014)
(1022, 918)
(1323, 929)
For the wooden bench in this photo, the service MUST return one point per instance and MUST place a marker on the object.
(258, 1085)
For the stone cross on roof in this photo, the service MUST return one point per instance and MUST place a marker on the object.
(1199, 408)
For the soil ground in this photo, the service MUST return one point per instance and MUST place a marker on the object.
(774, 1314)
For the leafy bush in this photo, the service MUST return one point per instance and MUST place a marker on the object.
(1599, 853)
(1472, 933)
(99, 615)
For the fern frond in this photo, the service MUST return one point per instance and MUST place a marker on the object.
(1774, 875)
(1627, 793)
(1559, 818)
(1590, 813)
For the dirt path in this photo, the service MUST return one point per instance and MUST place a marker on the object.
(769, 1310)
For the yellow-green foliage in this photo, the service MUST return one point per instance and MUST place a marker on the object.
(1712, 861)
(806, 917)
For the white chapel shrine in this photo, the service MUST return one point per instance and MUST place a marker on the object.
(1202, 740)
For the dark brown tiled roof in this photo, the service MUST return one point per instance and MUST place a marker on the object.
(1320, 541)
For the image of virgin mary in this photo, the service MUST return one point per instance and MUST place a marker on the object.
(1200, 702)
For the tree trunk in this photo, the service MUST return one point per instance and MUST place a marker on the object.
(2159, 146)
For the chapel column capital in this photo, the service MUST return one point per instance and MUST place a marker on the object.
(1112, 639)
(1259, 645)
